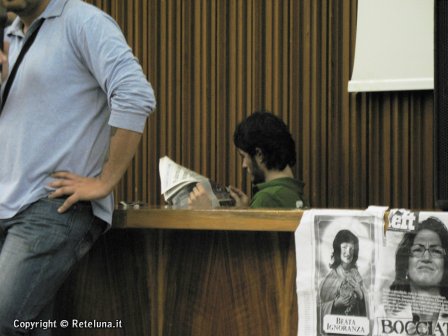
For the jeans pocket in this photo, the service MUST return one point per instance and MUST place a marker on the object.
(47, 229)
(48, 244)
(53, 230)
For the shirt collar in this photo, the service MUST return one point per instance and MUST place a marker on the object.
(281, 181)
(54, 9)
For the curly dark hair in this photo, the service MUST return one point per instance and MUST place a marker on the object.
(344, 236)
(270, 134)
(401, 283)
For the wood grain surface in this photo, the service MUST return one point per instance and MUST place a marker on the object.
(213, 219)
(185, 282)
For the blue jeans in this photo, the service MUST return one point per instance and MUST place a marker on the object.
(38, 249)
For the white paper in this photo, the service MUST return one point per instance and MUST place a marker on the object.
(411, 294)
(177, 182)
(321, 279)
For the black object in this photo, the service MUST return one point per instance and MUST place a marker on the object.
(22, 53)
(441, 103)
(3, 22)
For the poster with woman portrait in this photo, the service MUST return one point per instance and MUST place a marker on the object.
(412, 286)
(342, 251)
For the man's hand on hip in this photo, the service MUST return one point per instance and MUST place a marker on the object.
(77, 188)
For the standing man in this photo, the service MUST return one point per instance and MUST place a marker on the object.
(70, 124)
(268, 151)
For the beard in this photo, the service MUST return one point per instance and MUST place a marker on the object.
(21, 7)
(258, 175)
(14, 5)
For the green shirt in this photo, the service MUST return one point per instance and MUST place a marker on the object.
(283, 192)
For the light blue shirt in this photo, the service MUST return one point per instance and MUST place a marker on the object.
(77, 80)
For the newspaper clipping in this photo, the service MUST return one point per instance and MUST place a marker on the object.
(412, 287)
(177, 182)
(337, 254)
(352, 279)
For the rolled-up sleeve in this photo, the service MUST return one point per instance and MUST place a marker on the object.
(107, 55)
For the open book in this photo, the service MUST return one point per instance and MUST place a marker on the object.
(177, 182)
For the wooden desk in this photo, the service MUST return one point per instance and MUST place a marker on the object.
(220, 219)
(188, 272)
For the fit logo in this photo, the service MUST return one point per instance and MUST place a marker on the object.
(402, 220)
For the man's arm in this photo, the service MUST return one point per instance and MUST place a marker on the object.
(199, 198)
(122, 148)
(130, 98)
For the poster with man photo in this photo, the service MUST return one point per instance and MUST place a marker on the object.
(345, 273)
(412, 293)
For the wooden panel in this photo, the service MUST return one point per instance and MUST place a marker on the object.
(189, 283)
(220, 219)
(213, 62)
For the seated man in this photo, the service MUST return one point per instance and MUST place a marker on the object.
(268, 151)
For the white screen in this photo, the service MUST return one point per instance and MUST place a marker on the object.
(394, 46)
